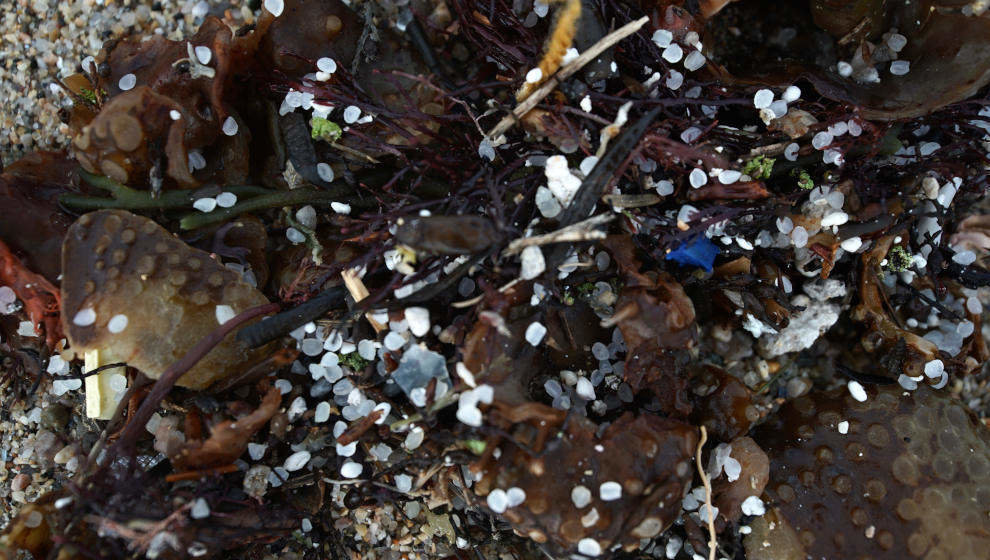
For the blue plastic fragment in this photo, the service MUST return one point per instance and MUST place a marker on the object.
(700, 252)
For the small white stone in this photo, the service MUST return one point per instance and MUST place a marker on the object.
(230, 126)
(610, 491)
(206, 204)
(325, 172)
(964, 258)
(732, 469)
(534, 76)
(322, 413)
(127, 82)
(469, 414)
(900, 67)
(580, 496)
(117, 323)
(203, 54)
(533, 263)
(791, 94)
(403, 482)
(200, 509)
(516, 496)
(896, 42)
(753, 505)
(852, 244)
(906, 382)
(934, 369)
(393, 341)
(822, 139)
(791, 151)
(585, 389)
(587, 164)
(296, 461)
(306, 216)
(589, 547)
(174, 115)
(257, 450)
(942, 382)
(535, 333)
(85, 317)
(340, 207)
(196, 160)
(275, 7)
(350, 469)
(673, 53)
(856, 390)
(694, 60)
(585, 104)
(497, 500)
(224, 313)
(762, 99)
(327, 65)
(697, 178)
(843, 427)
(836, 218)
(418, 319)
(662, 38)
(729, 176)
(352, 114)
(226, 199)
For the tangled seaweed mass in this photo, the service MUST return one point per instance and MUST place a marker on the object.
(529, 279)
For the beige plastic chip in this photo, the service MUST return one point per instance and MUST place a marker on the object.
(101, 398)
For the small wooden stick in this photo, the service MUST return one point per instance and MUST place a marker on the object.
(358, 291)
(708, 496)
(494, 135)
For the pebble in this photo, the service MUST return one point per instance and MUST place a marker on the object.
(697, 178)
(535, 333)
(673, 53)
(296, 461)
(762, 99)
(200, 509)
(230, 126)
(497, 500)
(226, 199)
(325, 172)
(533, 263)
(419, 320)
(350, 469)
(275, 7)
(609, 491)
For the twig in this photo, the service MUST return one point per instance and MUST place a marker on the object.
(358, 291)
(167, 380)
(581, 231)
(584, 58)
(708, 495)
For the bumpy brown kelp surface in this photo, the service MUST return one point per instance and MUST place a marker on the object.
(513, 279)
